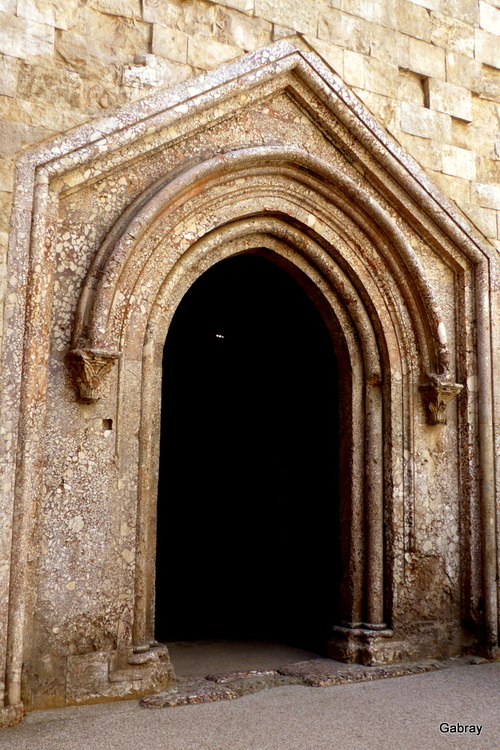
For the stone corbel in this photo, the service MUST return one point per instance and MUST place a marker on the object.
(437, 394)
(89, 367)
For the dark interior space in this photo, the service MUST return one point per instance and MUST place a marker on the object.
(248, 530)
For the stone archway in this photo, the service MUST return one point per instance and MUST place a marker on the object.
(248, 483)
(113, 225)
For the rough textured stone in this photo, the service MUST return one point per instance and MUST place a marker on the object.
(434, 98)
(459, 162)
(170, 43)
(487, 48)
(414, 20)
(24, 38)
(293, 13)
(426, 59)
(189, 692)
(206, 52)
(451, 99)
(425, 122)
(489, 18)
(452, 34)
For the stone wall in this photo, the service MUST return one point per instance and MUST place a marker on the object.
(429, 80)
(428, 70)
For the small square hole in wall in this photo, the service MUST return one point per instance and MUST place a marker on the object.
(107, 424)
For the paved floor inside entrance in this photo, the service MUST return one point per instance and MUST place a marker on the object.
(220, 656)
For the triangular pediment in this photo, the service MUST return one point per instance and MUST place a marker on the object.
(288, 70)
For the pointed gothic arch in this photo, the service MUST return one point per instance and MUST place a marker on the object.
(113, 223)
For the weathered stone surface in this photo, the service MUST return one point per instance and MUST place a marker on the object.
(124, 8)
(462, 71)
(331, 53)
(206, 52)
(489, 18)
(293, 13)
(487, 48)
(170, 43)
(325, 672)
(9, 68)
(24, 38)
(426, 59)
(63, 63)
(245, 33)
(345, 31)
(451, 99)
(425, 122)
(189, 692)
(52, 85)
(452, 34)
(414, 20)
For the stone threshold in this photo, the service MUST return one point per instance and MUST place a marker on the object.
(312, 673)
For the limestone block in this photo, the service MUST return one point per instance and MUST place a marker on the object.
(463, 71)
(451, 185)
(53, 85)
(485, 219)
(381, 78)
(488, 169)
(157, 11)
(469, 135)
(413, 20)
(246, 33)
(354, 69)
(331, 53)
(206, 53)
(427, 153)
(152, 71)
(426, 59)
(15, 135)
(124, 8)
(384, 44)
(485, 114)
(377, 11)
(411, 87)
(466, 10)
(66, 16)
(169, 43)
(382, 107)
(452, 34)
(491, 84)
(459, 162)
(487, 48)
(112, 31)
(6, 175)
(279, 32)
(8, 6)
(42, 11)
(446, 97)
(245, 6)
(489, 18)
(295, 13)
(487, 195)
(425, 122)
(9, 67)
(430, 4)
(345, 30)
(22, 38)
(5, 201)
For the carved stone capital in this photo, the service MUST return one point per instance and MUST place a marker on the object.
(437, 394)
(89, 366)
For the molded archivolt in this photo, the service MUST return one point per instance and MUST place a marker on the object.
(354, 239)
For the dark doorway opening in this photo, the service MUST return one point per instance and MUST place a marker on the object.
(248, 509)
